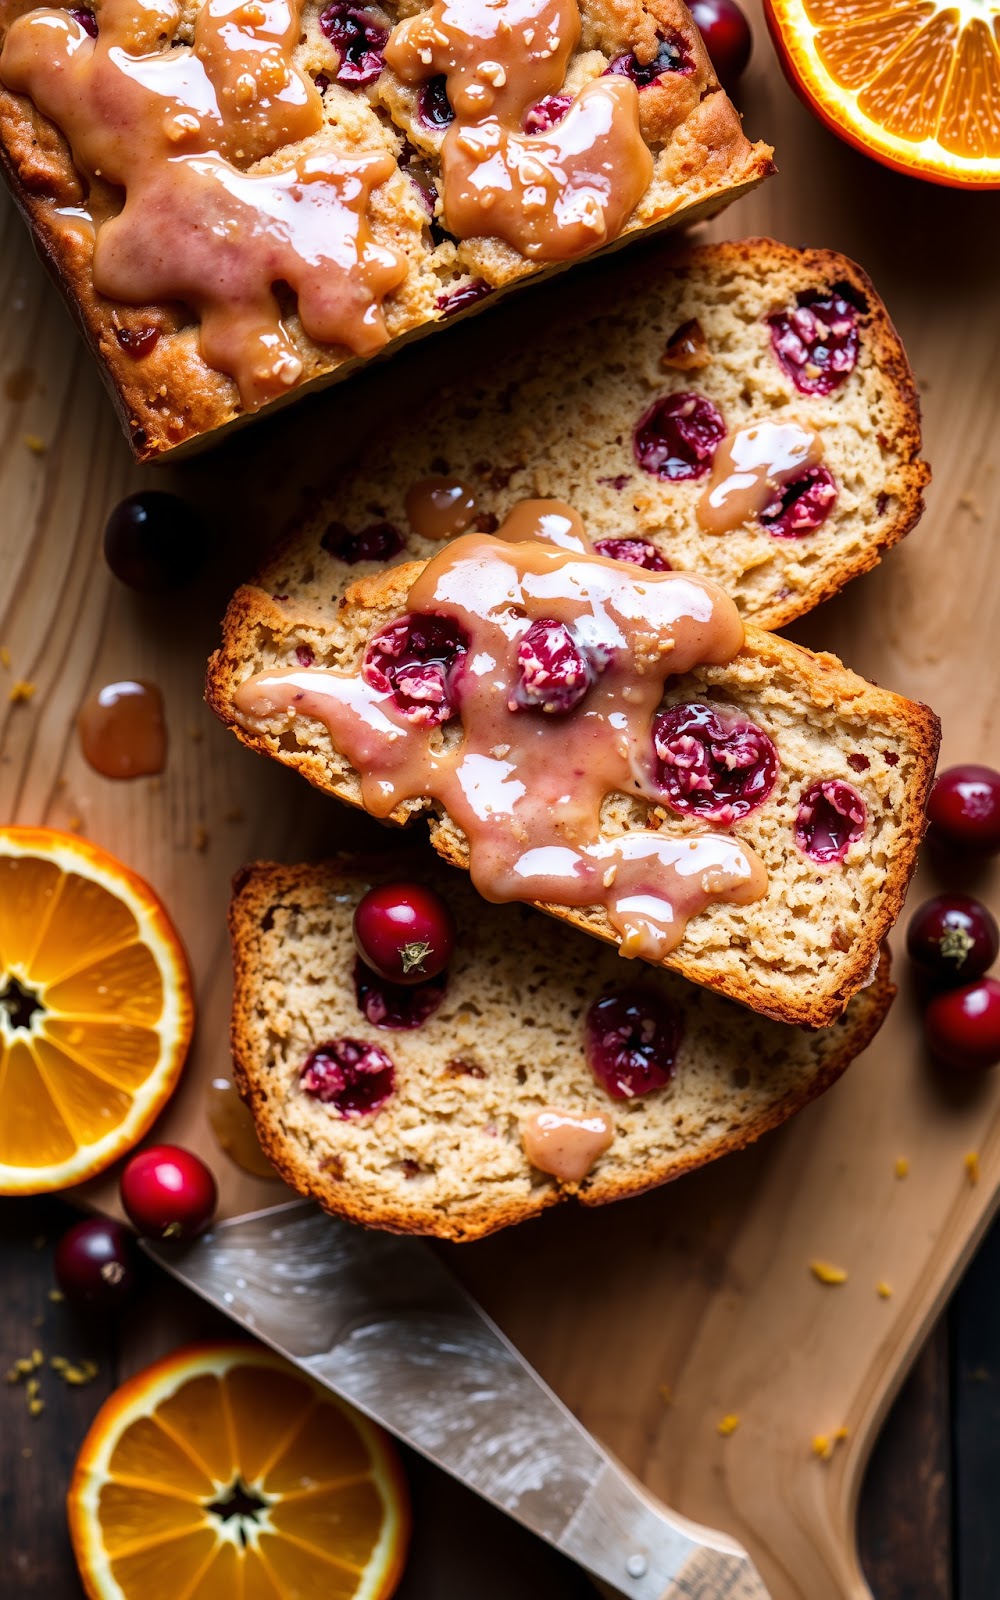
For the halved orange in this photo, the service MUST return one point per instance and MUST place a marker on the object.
(222, 1473)
(914, 83)
(95, 1009)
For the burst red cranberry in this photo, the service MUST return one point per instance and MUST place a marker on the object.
(155, 541)
(467, 295)
(727, 37)
(352, 1076)
(95, 1264)
(817, 341)
(168, 1193)
(636, 552)
(672, 55)
(380, 541)
(631, 1042)
(678, 436)
(404, 931)
(953, 938)
(418, 660)
(964, 808)
(136, 341)
(963, 1025)
(396, 1006)
(712, 766)
(801, 506)
(831, 817)
(86, 18)
(547, 113)
(359, 40)
(433, 106)
(554, 670)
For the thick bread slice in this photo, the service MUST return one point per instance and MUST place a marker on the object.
(799, 954)
(444, 1155)
(555, 420)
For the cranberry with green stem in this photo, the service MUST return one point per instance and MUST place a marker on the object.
(964, 809)
(95, 1264)
(155, 541)
(168, 1193)
(727, 37)
(404, 931)
(963, 1026)
(953, 938)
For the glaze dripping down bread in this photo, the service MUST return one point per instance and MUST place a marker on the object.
(589, 410)
(244, 200)
(749, 819)
(426, 1125)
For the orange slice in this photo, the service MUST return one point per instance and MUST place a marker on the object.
(915, 83)
(95, 1009)
(221, 1473)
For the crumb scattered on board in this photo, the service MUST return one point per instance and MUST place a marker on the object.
(824, 1444)
(827, 1273)
(883, 1290)
(728, 1424)
(21, 691)
(902, 1167)
(971, 1161)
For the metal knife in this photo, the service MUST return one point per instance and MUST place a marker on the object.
(380, 1321)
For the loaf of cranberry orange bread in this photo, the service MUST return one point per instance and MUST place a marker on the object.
(631, 411)
(608, 743)
(536, 1067)
(242, 200)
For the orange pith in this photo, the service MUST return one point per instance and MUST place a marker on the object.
(915, 83)
(95, 1009)
(221, 1473)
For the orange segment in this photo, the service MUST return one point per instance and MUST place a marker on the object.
(168, 1502)
(95, 1009)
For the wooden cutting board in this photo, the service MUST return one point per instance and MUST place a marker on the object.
(701, 1292)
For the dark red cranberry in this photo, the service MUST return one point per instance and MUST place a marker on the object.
(396, 1005)
(433, 106)
(801, 505)
(636, 552)
(86, 18)
(380, 541)
(963, 1025)
(712, 766)
(618, 481)
(547, 113)
(304, 655)
(831, 817)
(631, 1042)
(352, 1076)
(418, 659)
(953, 937)
(404, 931)
(359, 40)
(95, 1264)
(678, 436)
(554, 670)
(322, 81)
(672, 55)
(136, 342)
(964, 808)
(466, 295)
(817, 341)
(168, 1193)
(154, 541)
(727, 37)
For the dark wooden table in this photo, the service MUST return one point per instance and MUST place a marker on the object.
(929, 1527)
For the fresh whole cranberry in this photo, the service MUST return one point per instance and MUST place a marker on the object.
(86, 18)
(396, 1006)
(964, 808)
(417, 659)
(554, 669)
(95, 1264)
(672, 55)
(636, 552)
(712, 766)
(547, 113)
(831, 817)
(380, 541)
(433, 106)
(816, 342)
(359, 40)
(631, 1042)
(466, 295)
(678, 436)
(800, 506)
(168, 1193)
(953, 937)
(404, 931)
(963, 1025)
(727, 37)
(352, 1076)
(155, 541)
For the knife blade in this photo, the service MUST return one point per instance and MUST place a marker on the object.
(383, 1323)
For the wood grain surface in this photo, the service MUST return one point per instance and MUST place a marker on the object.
(704, 1288)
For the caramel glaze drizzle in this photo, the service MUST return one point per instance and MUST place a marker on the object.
(551, 195)
(176, 127)
(527, 787)
(751, 465)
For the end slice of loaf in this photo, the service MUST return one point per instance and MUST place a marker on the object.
(444, 1155)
